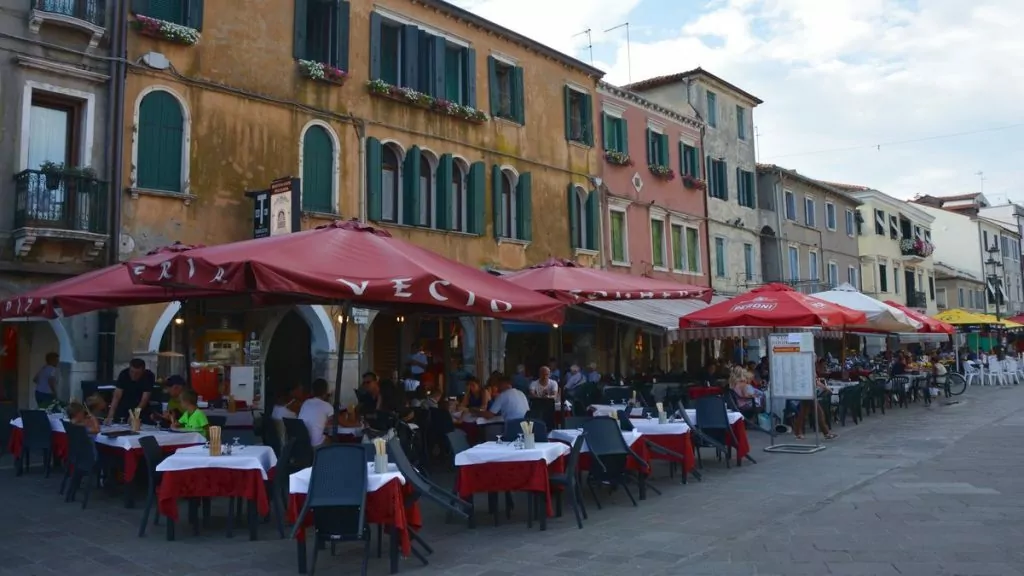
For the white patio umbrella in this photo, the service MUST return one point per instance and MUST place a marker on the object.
(881, 317)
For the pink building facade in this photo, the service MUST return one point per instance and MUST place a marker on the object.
(654, 210)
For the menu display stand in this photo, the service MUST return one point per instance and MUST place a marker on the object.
(791, 364)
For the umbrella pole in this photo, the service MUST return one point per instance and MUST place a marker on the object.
(187, 343)
(346, 311)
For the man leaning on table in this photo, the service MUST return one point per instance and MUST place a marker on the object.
(317, 411)
(134, 386)
(510, 403)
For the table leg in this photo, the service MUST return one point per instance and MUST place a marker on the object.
(254, 524)
(19, 466)
(300, 546)
(531, 509)
(542, 509)
(393, 549)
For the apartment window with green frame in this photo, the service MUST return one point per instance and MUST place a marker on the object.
(747, 193)
(689, 160)
(505, 86)
(720, 257)
(616, 133)
(579, 117)
(712, 111)
(657, 148)
(584, 214)
(748, 261)
(181, 12)
(318, 161)
(718, 179)
(658, 243)
(617, 227)
(322, 32)
(160, 154)
(678, 247)
(693, 250)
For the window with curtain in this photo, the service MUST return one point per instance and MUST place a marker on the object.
(389, 183)
(658, 243)
(427, 188)
(692, 249)
(617, 219)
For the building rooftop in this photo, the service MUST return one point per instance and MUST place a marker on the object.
(639, 100)
(659, 81)
(820, 184)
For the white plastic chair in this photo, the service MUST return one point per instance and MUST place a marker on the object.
(972, 373)
(997, 372)
(1011, 368)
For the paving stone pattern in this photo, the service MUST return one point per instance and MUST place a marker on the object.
(919, 491)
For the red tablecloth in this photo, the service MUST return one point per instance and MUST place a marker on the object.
(133, 457)
(211, 483)
(702, 391)
(679, 443)
(742, 444)
(385, 507)
(472, 431)
(59, 443)
(509, 477)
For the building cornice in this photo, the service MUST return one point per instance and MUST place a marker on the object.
(876, 198)
(638, 100)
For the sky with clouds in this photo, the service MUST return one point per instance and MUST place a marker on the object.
(906, 96)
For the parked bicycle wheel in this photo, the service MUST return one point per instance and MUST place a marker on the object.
(956, 384)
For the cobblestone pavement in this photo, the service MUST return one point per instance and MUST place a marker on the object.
(919, 491)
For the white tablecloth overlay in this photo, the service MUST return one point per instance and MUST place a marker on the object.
(653, 428)
(56, 423)
(607, 409)
(493, 452)
(734, 417)
(163, 438)
(569, 437)
(298, 483)
(260, 458)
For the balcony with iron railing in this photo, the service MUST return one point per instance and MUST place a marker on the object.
(63, 200)
(917, 299)
(916, 248)
(86, 15)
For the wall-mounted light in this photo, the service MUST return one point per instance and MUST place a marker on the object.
(341, 318)
(400, 319)
(178, 320)
(555, 326)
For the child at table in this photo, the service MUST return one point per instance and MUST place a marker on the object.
(80, 416)
(97, 406)
(192, 418)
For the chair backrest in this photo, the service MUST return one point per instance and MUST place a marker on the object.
(152, 453)
(80, 448)
(458, 441)
(246, 436)
(441, 420)
(285, 467)
(217, 420)
(397, 455)
(711, 413)
(576, 422)
(616, 393)
(513, 428)
(543, 409)
(625, 424)
(491, 430)
(302, 450)
(574, 456)
(337, 491)
(604, 437)
(273, 434)
(37, 430)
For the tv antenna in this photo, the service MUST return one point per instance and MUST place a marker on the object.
(981, 177)
(629, 58)
(590, 43)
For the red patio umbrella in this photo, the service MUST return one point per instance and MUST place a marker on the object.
(574, 284)
(773, 305)
(108, 287)
(348, 261)
(929, 325)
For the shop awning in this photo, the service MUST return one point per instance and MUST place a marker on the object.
(661, 315)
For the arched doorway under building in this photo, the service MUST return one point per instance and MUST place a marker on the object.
(288, 360)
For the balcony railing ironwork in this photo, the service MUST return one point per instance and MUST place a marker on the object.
(91, 11)
(917, 300)
(60, 201)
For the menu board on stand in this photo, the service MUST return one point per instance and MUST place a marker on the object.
(791, 369)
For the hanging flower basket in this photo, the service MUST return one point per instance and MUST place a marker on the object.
(322, 72)
(618, 158)
(662, 172)
(916, 247)
(165, 30)
(426, 101)
(694, 183)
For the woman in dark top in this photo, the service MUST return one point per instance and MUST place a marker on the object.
(476, 398)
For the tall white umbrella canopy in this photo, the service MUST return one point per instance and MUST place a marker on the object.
(880, 316)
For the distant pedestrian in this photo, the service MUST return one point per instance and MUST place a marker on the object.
(46, 381)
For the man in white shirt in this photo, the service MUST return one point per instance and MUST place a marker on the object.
(574, 381)
(316, 412)
(417, 362)
(510, 404)
(544, 386)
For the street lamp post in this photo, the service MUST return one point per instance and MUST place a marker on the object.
(994, 279)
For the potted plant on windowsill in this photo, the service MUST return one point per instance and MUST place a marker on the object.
(169, 31)
(322, 72)
(662, 172)
(84, 172)
(618, 158)
(693, 182)
(419, 99)
(52, 172)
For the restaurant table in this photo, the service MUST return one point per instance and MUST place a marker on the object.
(632, 438)
(739, 429)
(599, 410)
(674, 436)
(385, 506)
(58, 439)
(471, 424)
(492, 468)
(696, 392)
(192, 473)
(240, 419)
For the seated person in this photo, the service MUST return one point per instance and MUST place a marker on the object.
(285, 406)
(477, 398)
(192, 419)
(174, 385)
(79, 415)
(748, 396)
(97, 406)
(317, 412)
(510, 403)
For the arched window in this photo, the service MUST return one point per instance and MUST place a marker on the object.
(508, 199)
(459, 218)
(581, 231)
(389, 183)
(318, 170)
(427, 189)
(161, 137)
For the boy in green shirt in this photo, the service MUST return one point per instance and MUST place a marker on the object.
(192, 418)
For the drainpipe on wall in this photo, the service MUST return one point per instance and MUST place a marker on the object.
(780, 205)
(361, 134)
(703, 169)
(107, 319)
(602, 201)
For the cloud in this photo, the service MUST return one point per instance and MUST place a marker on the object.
(838, 77)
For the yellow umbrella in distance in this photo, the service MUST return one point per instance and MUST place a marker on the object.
(959, 317)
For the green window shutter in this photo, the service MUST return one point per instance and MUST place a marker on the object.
(161, 136)
(498, 207)
(663, 150)
(710, 176)
(524, 207)
(410, 57)
(342, 13)
(741, 195)
(470, 64)
(492, 85)
(140, 7)
(518, 97)
(195, 14)
(475, 198)
(723, 180)
(375, 32)
(593, 219)
(574, 217)
(682, 160)
(299, 36)
(411, 187)
(623, 134)
(166, 10)
(567, 95)
(443, 187)
(607, 131)
(588, 119)
(318, 171)
(374, 156)
(436, 70)
(650, 152)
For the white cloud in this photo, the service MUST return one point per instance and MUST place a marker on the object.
(834, 74)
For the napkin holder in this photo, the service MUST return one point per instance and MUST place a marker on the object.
(529, 441)
(662, 417)
(136, 423)
(380, 463)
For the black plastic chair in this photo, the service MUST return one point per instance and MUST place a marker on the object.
(898, 388)
(37, 434)
(576, 422)
(278, 487)
(513, 429)
(302, 450)
(337, 497)
(543, 409)
(82, 460)
(625, 424)
(570, 482)
(153, 456)
(713, 423)
(8, 412)
(273, 434)
(850, 403)
(457, 441)
(613, 394)
(221, 421)
(605, 441)
(490, 431)
(423, 488)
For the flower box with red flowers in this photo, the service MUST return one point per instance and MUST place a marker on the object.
(427, 102)
(916, 247)
(617, 158)
(322, 72)
(662, 172)
(694, 183)
(164, 30)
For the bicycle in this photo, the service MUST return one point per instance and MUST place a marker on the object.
(955, 385)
